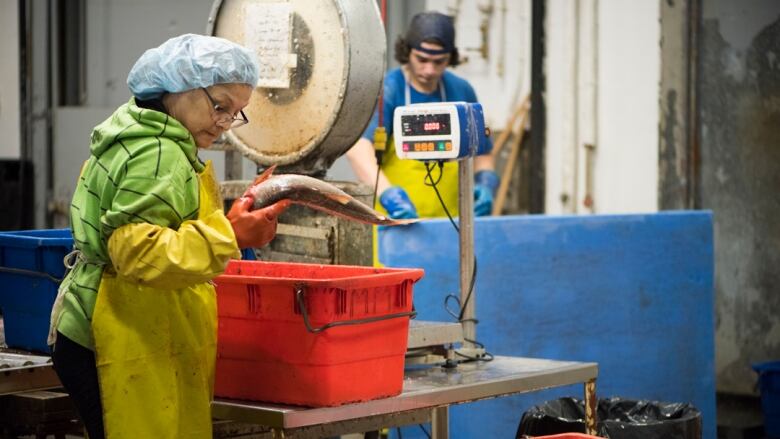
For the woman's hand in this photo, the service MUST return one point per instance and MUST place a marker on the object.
(254, 228)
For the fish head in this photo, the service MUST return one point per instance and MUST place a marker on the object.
(265, 175)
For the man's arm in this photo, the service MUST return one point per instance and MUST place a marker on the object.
(393, 198)
(484, 162)
(486, 183)
(363, 161)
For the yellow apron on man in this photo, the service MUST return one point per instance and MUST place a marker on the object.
(411, 175)
(158, 382)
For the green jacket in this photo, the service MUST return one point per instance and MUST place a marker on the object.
(142, 169)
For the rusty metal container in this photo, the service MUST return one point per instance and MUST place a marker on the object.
(322, 63)
(310, 236)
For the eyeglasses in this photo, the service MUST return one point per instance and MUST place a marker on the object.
(223, 117)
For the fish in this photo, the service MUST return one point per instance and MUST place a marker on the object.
(268, 189)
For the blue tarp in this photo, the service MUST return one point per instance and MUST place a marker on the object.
(631, 292)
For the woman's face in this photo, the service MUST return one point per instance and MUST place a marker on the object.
(195, 110)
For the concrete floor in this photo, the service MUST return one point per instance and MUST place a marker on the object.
(739, 417)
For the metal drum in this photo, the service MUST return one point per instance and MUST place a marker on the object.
(321, 71)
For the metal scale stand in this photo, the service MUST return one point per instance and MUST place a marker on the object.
(430, 341)
(444, 132)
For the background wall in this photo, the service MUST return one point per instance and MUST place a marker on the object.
(739, 116)
(10, 147)
(118, 32)
(502, 78)
(602, 70)
(626, 177)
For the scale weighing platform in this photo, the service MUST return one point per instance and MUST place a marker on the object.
(435, 133)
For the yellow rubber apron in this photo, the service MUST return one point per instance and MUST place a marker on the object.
(411, 174)
(156, 351)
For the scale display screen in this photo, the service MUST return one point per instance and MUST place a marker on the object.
(426, 124)
(439, 131)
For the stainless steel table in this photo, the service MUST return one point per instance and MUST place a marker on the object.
(426, 396)
(25, 373)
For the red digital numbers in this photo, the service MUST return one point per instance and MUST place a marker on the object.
(432, 126)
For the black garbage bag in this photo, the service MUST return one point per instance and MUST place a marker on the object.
(617, 419)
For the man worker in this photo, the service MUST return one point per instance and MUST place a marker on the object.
(425, 54)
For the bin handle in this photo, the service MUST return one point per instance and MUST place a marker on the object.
(299, 293)
(22, 271)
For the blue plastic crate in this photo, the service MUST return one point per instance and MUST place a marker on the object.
(31, 267)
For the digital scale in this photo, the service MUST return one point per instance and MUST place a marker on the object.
(440, 131)
(446, 131)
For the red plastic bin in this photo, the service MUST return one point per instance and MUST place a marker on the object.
(309, 334)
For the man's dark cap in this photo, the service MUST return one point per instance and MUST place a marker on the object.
(431, 26)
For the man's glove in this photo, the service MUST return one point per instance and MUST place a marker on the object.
(485, 187)
(397, 203)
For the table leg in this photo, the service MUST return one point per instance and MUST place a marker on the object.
(440, 423)
(590, 407)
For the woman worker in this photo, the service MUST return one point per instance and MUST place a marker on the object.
(134, 324)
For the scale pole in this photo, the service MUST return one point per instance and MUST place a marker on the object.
(466, 213)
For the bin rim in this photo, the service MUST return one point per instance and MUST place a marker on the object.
(767, 366)
(363, 281)
(36, 238)
(387, 275)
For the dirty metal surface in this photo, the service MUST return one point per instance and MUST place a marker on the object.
(718, 150)
(739, 113)
(427, 333)
(424, 389)
(26, 372)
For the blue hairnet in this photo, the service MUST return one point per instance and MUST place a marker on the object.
(188, 62)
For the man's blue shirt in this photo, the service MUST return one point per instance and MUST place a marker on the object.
(455, 88)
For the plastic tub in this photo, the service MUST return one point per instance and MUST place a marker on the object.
(769, 383)
(314, 335)
(31, 268)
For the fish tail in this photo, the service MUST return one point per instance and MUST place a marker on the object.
(398, 222)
